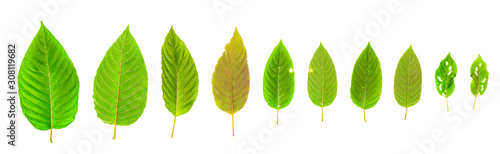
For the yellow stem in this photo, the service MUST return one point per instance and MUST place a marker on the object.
(172, 136)
(232, 116)
(277, 116)
(406, 111)
(475, 98)
(114, 135)
(321, 114)
(50, 134)
(447, 107)
(364, 115)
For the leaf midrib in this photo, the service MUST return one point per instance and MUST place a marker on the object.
(176, 74)
(478, 79)
(322, 77)
(366, 79)
(119, 78)
(408, 77)
(231, 79)
(278, 79)
(48, 76)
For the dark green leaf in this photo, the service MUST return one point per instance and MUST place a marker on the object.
(366, 83)
(279, 82)
(445, 76)
(179, 76)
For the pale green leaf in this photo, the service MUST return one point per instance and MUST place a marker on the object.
(366, 82)
(48, 84)
(231, 79)
(121, 83)
(408, 80)
(322, 79)
(179, 76)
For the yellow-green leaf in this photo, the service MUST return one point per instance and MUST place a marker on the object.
(231, 79)
(408, 80)
(121, 83)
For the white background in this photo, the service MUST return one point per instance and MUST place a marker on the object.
(87, 28)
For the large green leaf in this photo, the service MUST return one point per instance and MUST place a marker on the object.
(479, 76)
(121, 83)
(445, 75)
(48, 84)
(179, 76)
(279, 79)
(231, 78)
(322, 79)
(408, 80)
(366, 83)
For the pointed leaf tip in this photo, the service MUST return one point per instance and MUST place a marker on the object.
(171, 31)
(62, 77)
(279, 61)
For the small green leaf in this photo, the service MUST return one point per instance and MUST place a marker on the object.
(445, 76)
(231, 79)
(479, 76)
(121, 83)
(48, 84)
(279, 82)
(366, 83)
(322, 79)
(179, 76)
(408, 80)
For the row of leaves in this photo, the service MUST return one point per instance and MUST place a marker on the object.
(49, 84)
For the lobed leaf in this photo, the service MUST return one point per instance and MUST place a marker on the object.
(121, 83)
(179, 76)
(48, 84)
(408, 80)
(479, 76)
(366, 83)
(445, 75)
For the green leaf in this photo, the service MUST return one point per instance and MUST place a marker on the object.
(408, 80)
(179, 76)
(479, 76)
(322, 79)
(366, 83)
(445, 75)
(121, 83)
(48, 84)
(231, 79)
(279, 79)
